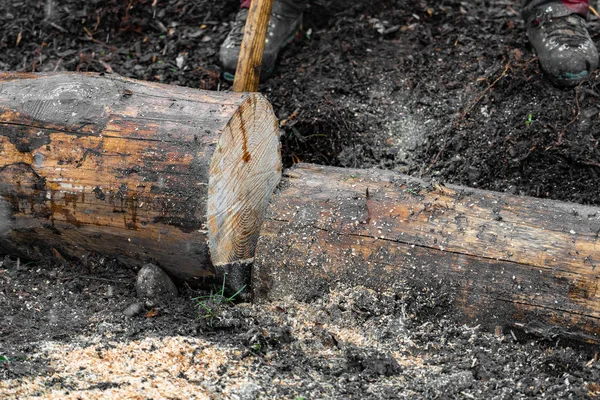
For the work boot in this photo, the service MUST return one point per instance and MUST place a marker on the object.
(285, 24)
(565, 49)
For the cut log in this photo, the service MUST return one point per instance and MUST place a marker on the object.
(500, 260)
(141, 171)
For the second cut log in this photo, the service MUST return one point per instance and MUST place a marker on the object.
(498, 260)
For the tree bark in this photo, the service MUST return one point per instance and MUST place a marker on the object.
(499, 260)
(140, 171)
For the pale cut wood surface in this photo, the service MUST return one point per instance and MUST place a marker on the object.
(244, 171)
(133, 170)
(499, 259)
(247, 73)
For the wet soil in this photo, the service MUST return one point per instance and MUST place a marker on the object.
(445, 90)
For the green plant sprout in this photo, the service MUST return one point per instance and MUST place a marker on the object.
(256, 348)
(207, 302)
(529, 120)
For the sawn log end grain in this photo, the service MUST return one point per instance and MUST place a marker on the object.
(140, 171)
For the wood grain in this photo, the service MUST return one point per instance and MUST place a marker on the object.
(501, 260)
(247, 73)
(133, 170)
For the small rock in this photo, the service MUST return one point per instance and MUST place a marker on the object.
(134, 309)
(153, 283)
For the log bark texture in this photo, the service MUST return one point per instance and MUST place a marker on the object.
(141, 171)
(500, 260)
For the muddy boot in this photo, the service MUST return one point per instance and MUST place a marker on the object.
(285, 24)
(566, 51)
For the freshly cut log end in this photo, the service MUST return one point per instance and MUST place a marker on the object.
(124, 168)
(245, 169)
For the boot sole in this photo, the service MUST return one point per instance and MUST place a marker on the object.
(570, 80)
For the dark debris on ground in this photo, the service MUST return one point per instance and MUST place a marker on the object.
(446, 90)
(350, 343)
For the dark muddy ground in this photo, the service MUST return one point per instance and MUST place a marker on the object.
(64, 336)
(447, 90)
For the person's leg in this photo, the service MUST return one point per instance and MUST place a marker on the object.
(557, 30)
(285, 23)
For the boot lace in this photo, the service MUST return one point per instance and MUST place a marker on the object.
(235, 36)
(570, 30)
